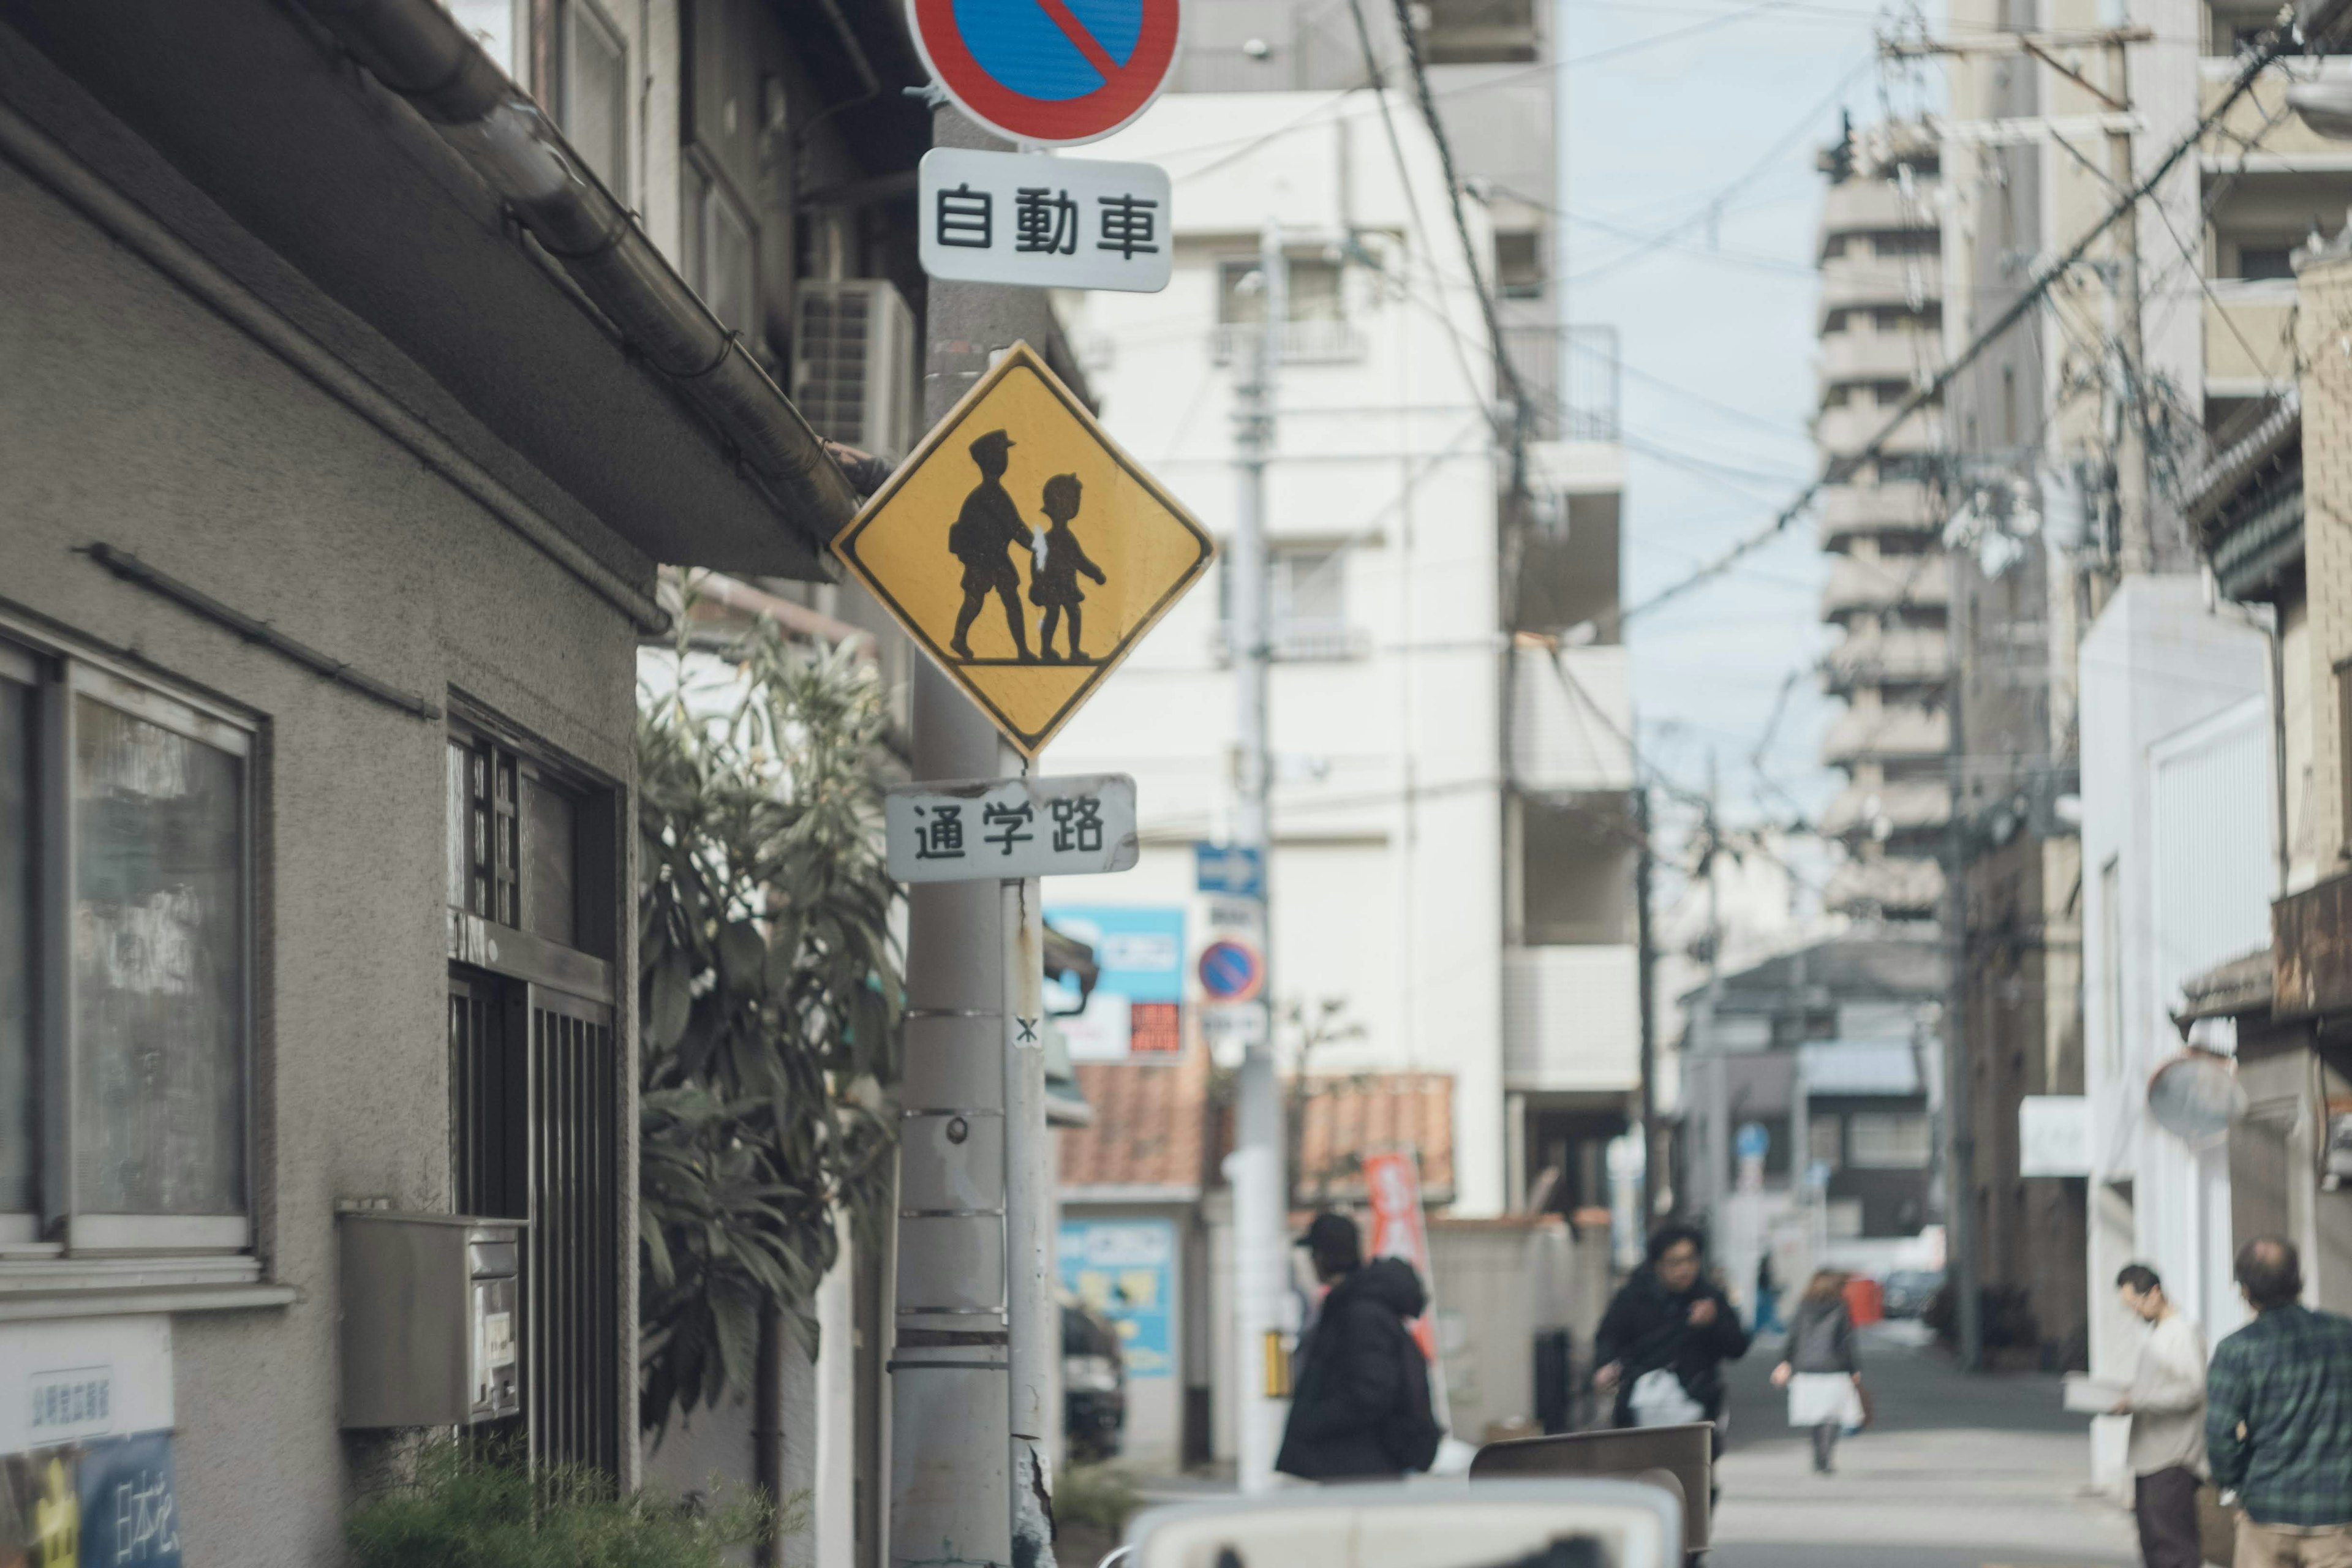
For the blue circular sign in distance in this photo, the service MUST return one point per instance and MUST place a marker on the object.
(1231, 971)
(1753, 1141)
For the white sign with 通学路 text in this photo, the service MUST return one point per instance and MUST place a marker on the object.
(1042, 222)
(974, 830)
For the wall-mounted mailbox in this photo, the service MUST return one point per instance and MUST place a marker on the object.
(431, 1308)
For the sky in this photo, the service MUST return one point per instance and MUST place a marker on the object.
(1691, 132)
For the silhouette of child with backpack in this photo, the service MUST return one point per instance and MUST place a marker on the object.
(1053, 577)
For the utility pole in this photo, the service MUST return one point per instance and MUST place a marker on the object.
(2138, 547)
(2139, 551)
(1959, 1139)
(1034, 1318)
(1647, 976)
(1261, 1252)
(963, 1362)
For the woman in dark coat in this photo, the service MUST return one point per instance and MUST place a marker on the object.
(1361, 1407)
(1667, 1319)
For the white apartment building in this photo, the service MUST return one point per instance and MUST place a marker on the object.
(1453, 858)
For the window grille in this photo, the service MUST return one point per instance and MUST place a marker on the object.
(1889, 1141)
(536, 1096)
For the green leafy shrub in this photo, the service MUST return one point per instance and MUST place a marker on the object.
(768, 1002)
(1103, 1496)
(459, 1509)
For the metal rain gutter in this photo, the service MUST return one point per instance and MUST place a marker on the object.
(417, 50)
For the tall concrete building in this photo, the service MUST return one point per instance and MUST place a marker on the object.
(1881, 336)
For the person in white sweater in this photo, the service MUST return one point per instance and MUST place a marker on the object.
(2166, 1407)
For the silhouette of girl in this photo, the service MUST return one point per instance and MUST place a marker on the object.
(1053, 578)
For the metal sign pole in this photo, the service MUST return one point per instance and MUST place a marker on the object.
(1261, 1260)
(948, 1359)
(1033, 1338)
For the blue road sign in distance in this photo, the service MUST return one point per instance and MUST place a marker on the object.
(1049, 70)
(1236, 869)
(1230, 971)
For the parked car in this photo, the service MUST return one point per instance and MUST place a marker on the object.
(1093, 1384)
(1908, 1290)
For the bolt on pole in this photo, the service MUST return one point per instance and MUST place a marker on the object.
(1261, 1253)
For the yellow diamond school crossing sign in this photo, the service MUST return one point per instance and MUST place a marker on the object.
(1023, 549)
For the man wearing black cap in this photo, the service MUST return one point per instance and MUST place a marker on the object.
(988, 526)
(1362, 1408)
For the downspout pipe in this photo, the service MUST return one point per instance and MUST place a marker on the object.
(418, 51)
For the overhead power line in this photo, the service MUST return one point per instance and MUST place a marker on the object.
(1504, 369)
(1842, 467)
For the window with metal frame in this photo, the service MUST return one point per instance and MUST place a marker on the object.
(125, 961)
(537, 1099)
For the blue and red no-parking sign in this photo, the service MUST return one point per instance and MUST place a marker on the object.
(1231, 971)
(1049, 70)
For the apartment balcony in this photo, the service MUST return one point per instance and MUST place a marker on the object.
(1303, 342)
(2248, 337)
(1884, 886)
(1877, 206)
(1845, 432)
(1857, 584)
(1902, 733)
(2279, 140)
(1899, 283)
(1594, 468)
(1849, 511)
(1572, 723)
(1906, 655)
(2311, 949)
(1571, 1020)
(1570, 374)
(1898, 807)
(1301, 639)
(1909, 357)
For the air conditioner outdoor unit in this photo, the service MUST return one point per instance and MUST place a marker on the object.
(854, 364)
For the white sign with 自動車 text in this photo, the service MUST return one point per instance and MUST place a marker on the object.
(1031, 220)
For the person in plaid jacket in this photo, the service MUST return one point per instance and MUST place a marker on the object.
(2278, 1419)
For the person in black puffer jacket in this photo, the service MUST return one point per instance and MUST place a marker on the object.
(1361, 1410)
(1668, 1317)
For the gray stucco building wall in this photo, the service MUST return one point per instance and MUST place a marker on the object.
(137, 416)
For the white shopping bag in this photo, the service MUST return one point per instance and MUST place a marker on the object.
(1659, 1399)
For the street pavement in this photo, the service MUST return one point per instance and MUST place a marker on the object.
(1956, 1472)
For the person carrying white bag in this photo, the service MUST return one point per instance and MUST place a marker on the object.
(1822, 1374)
(1662, 1344)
